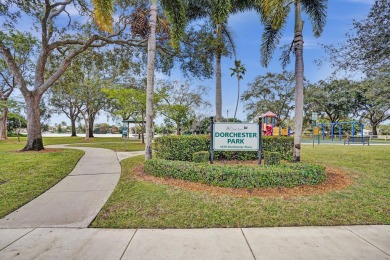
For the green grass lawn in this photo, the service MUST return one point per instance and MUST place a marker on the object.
(73, 140)
(113, 143)
(133, 145)
(26, 175)
(141, 204)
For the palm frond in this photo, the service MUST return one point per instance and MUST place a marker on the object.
(220, 10)
(176, 13)
(274, 12)
(316, 9)
(270, 39)
(229, 36)
(285, 56)
(102, 14)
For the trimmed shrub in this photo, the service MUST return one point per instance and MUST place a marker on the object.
(283, 175)
(181, 148)
(201, 157)
(271, 158)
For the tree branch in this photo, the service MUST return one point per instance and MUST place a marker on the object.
(13, 68)
(65, 64)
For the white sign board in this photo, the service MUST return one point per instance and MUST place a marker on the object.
(314, 116)
(236, 137)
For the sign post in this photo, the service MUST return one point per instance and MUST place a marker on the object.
(260, 145)
(314, 117)
(211, 140)
(125, 133)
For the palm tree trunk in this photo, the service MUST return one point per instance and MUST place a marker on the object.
(150, 79)
(238, 96)
(34, 135)
(298, 47)
(218, 83)
(3, 124)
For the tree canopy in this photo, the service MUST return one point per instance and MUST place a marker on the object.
(271, 92)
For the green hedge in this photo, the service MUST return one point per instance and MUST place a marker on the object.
(271, 158)
(289, 175)
(181, 148)
(201, 157)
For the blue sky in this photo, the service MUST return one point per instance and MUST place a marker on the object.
(247, 30)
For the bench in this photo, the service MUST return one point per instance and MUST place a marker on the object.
(357, 139)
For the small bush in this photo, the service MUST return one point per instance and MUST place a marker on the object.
(200, 157)
(271, 158)
(238, 176)
(181, 148)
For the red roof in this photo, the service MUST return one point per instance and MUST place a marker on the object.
(268, 114)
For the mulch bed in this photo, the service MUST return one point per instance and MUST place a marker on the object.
(336, 180)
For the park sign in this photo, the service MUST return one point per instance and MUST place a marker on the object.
(314, 116)
(235, 137)
(125, 129)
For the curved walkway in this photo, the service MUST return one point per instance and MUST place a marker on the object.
(77, 199)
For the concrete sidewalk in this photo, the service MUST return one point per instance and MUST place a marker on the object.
(348, 242)
(77, 199)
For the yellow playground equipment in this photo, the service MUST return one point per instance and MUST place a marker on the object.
(269, 128)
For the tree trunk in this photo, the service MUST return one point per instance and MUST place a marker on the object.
(91, 123)
(298, 47)
(3, 124)
(34, 135)
(218, 83)
(150, 79)
(87, 124)
(73, 126)
(374, 129)
(238, 96)
(72, 122)
(142, 135)
(178, 130)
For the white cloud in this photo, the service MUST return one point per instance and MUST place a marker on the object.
(370, 2)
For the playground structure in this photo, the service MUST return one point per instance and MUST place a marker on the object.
(339, 125)
(269, 127)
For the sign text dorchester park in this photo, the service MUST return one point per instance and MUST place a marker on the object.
(236, 136)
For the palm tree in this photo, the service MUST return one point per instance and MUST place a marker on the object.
(175, 11)
(239, 71)
(274, 15)
(219, 11)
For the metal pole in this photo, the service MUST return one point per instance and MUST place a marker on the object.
(340, 130)
(332, 131)
(260, 145)
(211, 140)
(313, 125)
